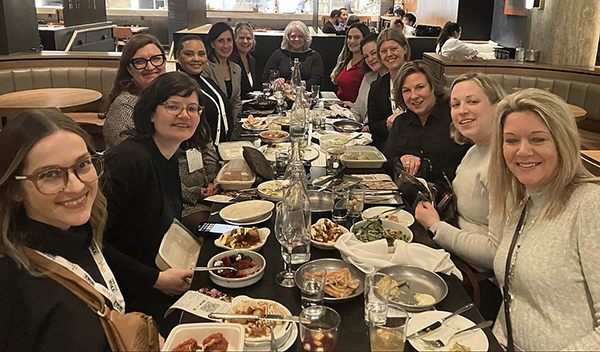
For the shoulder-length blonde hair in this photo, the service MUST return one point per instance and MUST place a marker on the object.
(346, 55)
(492, 90)
(17, 139)
(299, 26)
(505, 188)
(396, 35)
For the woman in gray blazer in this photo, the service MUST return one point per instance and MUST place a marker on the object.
(226, 73)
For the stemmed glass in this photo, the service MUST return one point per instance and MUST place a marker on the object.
(279, 95)
(290, 230)
(273, 75)
(315, 90)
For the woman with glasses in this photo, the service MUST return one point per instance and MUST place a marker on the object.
(143, 59)
(220, 67)
(245, 44)
(142, 182)
(296, 45)
(348, 73)
(50, 203)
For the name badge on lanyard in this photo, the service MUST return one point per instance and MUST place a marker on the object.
(194, 159)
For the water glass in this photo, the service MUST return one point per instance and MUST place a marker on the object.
(318, 120)
(321, 333)
(356, 202)
(281, 161)
(390, 336)
(377, 292)
(266, 89)
(312, 285)
(333, 152)
(340, 206)
(273, 75)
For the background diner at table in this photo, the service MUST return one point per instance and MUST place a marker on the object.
(220, 66)
(143, 59)
(53, 221)
(246, 44)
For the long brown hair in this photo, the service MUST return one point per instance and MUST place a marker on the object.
(17, 139)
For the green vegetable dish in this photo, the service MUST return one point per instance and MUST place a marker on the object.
(373, 230)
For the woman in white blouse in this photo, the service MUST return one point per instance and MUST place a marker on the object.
(449, 45)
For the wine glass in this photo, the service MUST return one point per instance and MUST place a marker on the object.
(290, 230)
(279, 95)
(273, 75)
(315, 91)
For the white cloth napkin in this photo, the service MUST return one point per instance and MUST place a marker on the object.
(340, 110)
(372, 256)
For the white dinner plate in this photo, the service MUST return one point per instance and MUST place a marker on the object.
(404, 217)
(271, 190)
(289, 342)
(476, 339)
(248, 211)
(253, 222)
(311, 152)
(281, 330)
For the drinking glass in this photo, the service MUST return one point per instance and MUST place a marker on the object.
(333, 151)
(281, 161)
(321, 333)
(291, 232)
(340, 206)
(315, 91)
(390, 336)
(377, 292)
(356, 202)
(273, 75)
(312, 284)
(279, 96)
(318, 120)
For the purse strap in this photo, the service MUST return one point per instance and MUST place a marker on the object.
(510, 344)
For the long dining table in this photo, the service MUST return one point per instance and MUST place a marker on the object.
(353, 332)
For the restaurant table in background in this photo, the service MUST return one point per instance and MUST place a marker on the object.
(354, 334)
(578, 112)
(64, 99)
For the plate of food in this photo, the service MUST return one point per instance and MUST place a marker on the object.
(342, 282)
(249, 265)
(257, 331)
(271, 190)
(391, 214)
(414, 288)
(373, 230)
(310, 153)
(475, 340)
(205, 337)
(255, 124)
(274, 136)
(244, 238)
(324, 233)
(279, 120)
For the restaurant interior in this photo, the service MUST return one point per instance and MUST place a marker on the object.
(65, 55)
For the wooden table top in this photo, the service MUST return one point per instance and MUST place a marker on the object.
(578, 112)
(49, 98)
(592, 154)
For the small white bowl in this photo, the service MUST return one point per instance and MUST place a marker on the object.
(242, 281)
(233, 333)
(263, 233)
(322, 245)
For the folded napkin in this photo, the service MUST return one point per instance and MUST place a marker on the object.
(372, 256)
(338, 110)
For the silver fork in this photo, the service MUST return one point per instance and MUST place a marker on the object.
(441, 342)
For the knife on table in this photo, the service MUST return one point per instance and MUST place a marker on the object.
(292, 318)
(436, 325)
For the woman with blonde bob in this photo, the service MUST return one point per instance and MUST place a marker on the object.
(548, 205)
(295, 44)
(53, 215)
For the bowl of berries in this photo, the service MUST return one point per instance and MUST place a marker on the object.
(241, 268)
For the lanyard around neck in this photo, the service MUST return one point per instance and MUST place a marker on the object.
(113, 293)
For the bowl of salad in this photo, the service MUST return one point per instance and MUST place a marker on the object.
(377, 229)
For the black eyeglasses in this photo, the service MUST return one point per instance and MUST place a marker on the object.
(140, 63)
(175, 108)
(54, 179)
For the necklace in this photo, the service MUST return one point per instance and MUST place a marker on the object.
(519, 239)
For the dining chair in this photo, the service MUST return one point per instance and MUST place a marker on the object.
(121, 34)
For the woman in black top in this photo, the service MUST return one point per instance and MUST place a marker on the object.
(296, 45)
(49, 202)
(245, 44)
(423, 131)
(192, 59)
